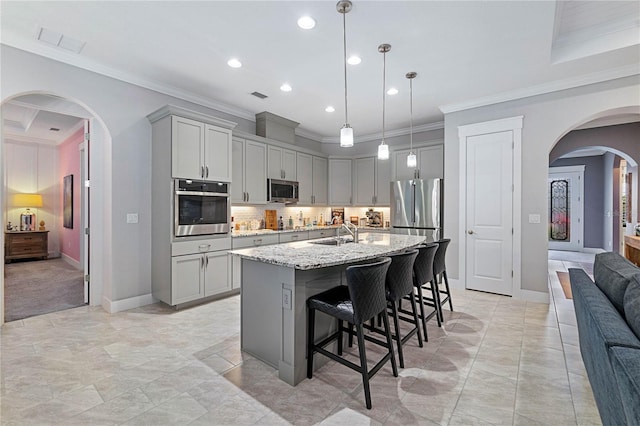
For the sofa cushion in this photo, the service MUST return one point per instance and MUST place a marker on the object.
(632, 305)
(612, 274)
(626, 367)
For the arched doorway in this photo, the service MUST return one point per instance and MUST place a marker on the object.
(602, 147)
(51, 106)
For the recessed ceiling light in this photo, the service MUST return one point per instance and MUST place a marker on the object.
(234, 63)
(330, 109)
(392, 91)
(354, 60)
(306, 22)
(285, 88)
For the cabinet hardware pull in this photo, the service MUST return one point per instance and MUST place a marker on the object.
(247, 197)
(207, 171)
(293, 237)
(204, 246)
(201, 262)
(206, 264)
(201, 171)
(258, 241)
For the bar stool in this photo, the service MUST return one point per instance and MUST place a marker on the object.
(440, 272)
(362, 299)
(399, 284)
(423, 279)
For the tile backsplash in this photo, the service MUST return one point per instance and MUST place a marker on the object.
(250, 216)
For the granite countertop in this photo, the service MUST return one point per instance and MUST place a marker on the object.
(305, 255)
(255, 232)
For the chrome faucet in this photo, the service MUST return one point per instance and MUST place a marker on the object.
(347, 225)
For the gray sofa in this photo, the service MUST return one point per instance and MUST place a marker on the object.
(608, 317)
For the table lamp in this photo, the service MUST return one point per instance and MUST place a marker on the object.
(28, 218)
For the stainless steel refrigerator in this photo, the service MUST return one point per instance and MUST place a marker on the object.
(416, 207)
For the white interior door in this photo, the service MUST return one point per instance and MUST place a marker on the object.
(489, 213)
(84, 226)
(566, 224)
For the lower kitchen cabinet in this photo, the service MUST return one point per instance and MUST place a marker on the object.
(245, 242)
(194, 276)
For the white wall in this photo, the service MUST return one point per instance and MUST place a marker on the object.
(546, 119)
(607, 232)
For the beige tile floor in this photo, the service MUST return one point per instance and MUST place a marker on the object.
(496, 361)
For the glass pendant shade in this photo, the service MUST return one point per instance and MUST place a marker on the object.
(346, 136)
(412, 161)
(383, 151)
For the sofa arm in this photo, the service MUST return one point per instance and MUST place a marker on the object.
(626, 366)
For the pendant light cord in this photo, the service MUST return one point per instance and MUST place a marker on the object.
(411, 113)
(344, 44)
(384, 86)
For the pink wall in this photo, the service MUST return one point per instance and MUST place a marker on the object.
(69, 156)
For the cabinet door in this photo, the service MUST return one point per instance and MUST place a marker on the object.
(237, 169)
(289, 164)
(216, 273)
(431, 161)
(187, 140)
(364, 181)
(217, 154)
(186, 278)
(274, 162)
(304, 171)
(340, 182)
(255, 172)
(319, 180)
(383, 180)
(402, 172)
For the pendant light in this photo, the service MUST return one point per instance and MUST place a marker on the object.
(412, 161)
(383, 148)
(346, 133)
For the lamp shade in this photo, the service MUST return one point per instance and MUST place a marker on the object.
(346, 136)
(27, 200)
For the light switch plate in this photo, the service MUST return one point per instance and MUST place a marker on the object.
(534, 218)
(132, 217)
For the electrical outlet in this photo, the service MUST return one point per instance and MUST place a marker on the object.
(534, 218)
(132, 217)
(286, 299)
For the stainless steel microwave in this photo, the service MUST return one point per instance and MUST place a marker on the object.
(282, 191)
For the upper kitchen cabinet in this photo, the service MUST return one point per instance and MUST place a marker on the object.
(249, 164)
(311, 172)
(340, 182)
(371, 179)
(191, 145)
(281, 163)
(200, 150)
(430, 163)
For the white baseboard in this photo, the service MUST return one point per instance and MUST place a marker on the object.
(112, 306)
(71, 261)
(593, 250)
(528, 295)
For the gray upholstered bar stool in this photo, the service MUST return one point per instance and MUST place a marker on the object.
(360, 300)
(400, 284)
(423, 279)
(440, 274)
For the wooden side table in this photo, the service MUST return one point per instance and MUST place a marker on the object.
(25, 244)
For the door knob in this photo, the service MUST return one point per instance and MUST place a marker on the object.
(469, 232)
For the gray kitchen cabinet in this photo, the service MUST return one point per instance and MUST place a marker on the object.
(200, 150)
(340, 182)
(246, 242)
(371, 179)
(217, 273)
(281, 163)
(311, 172)
(430, 163)
(249, 165)
(321, 233)
(287, 237)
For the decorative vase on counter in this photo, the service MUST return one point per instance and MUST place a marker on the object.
(637, 229)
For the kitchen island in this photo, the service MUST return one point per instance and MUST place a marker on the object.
(276, 282)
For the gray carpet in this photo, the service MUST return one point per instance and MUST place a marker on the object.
(39, 287)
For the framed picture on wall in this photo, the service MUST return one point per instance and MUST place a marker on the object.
(67, 202)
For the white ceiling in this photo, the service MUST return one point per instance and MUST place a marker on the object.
(466, 53)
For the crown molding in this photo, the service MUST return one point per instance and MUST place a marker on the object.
(83, 63)
(15, 137)
(556, 86)
(391, 133)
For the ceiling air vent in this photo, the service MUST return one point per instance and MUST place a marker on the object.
(54, 129)
(259, 95)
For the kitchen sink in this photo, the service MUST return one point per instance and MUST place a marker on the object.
(335, 241)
